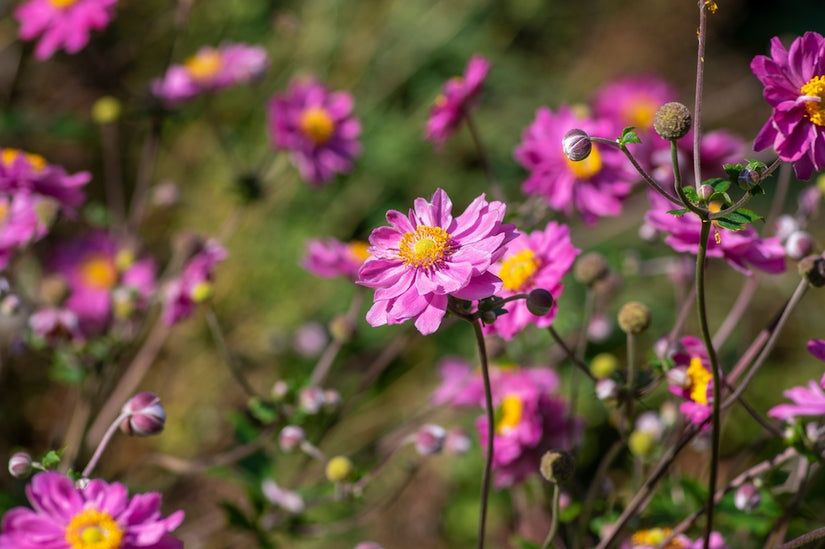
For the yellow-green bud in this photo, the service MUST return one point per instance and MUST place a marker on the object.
(339, 469)
(603, 365)
(106, 110)
(672, 121)
(201, 292)
(640, 443)
(634, 318)
(557, 466)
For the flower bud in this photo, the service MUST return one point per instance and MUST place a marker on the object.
(557, 466)
(20, 465)
(429, 440)
(606, 389)
(285, 499)
(799, 244)
(705, 192)
(784, 226)
(146, 415)
(599, 328)
(488, 317)
(650, 422)
(539, 302)
(576, 145)
(310, 340)
(457, 441)
(279, 391)
(106, 110)
(672, 121)
(603, 365)
(311, 399)
(812, 268)
(590, 267)
(748, 178)
(747, 497)
(9, 305)
(290, 437)
(634, 318)
(640, 443)
(339, 469)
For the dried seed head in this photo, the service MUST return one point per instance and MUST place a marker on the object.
(672, 121)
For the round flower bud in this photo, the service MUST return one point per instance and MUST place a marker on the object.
(747, 497)
(603, 365)
(332, 399)
(634, 318)
(557, 466)
(539, 302)
(576, 145)
(748, 178)
(672, 121)
(106, 110)
(640, 443)
(599, 328)
(799, 244)
(429, 440)
(339, 469)
(10, 305)
(812, 268)
(279, 391)
(457, 441)
(20, 465)
(290, 437)
(146, 415)
(285, 499)
(784, 226)
(590, 267)
(311, 399)
(705, 192)
(606, 389)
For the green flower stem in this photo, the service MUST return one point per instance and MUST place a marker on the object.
(646, 176)
(495, 186)
(677, 183)
(630, 382)
(593, 489)
(107, 436)
(741, 202)
(554, 524)
(697, 104)
(488, 403)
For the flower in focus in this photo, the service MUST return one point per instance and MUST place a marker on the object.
(428, 255)
(100, 515)
(539, 260)
(317, 127)
(595, 186)
(457, 98)
(146, 415)
(210, 69)
(194, 285)
(794, 81)
(330, 258)
(62, 24)
(692, 380)
(741, 249)
(26, 172)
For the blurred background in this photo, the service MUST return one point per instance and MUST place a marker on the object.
(393, 57)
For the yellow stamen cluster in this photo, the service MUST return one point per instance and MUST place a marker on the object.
(206, 64)
(426, 247)
(587, 168)
(9, 156)
(517, 270)
(641, 113)
(93, 529)
(317, 124)
(358, 250)
(99, 271)
(62, 4)
(815, 87)
(653, 537)
(699, 378)
(510, 414)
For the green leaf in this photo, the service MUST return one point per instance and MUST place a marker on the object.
(66, 368)
(628, 136)
(523, 543)
(719, 185)
(263, 411)
(690, 192)
(236, 518)
(678, 213)
(51, 459)
(733, 171)
(570, 513)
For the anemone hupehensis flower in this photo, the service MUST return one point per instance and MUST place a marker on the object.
(458, 96)
(422, 258)
(794, 81)
(330, 258)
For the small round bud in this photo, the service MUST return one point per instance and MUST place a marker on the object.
(332, 399)
(812, 268)
(705, 192)
(290, 437)
(285, 499)
(784, 226)
(606, 389)
(672, 121)
(20, 465)
(429, 440)
(590, 267)
(747, 497)
(146, 415)
(540, 302)
(9, 305)
(634, 318)
(166, 194)
(339, 469)
(599, 328)
(603, 365)
(279, 391)
(576, 145)
(310, 340)
(488, 317)
(640, 443)
(799, 244)
(106, 110)
(557, 466)
(457, 441)
(650, 423)
(311, 399)
(748, 178)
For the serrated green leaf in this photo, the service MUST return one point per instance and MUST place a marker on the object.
(720, 197)
(757, 165)
(726, 223)
(628, 136)
(690, 192)
(756, 189)
(678, 213)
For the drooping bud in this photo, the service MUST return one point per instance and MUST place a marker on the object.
(20, 465)
(747, 497)
(799, 244)
(672, 121)
(539, 302)
(557, 466)
(634, 318)
(640, 443)
(812, 268)
(146, 415)
(290, 437)
(590, 267)
(748, 178)
(603, 365)
(429, 440)
(339, 469)
(576, 145)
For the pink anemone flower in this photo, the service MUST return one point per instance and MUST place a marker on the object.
(331, 258)
(692, 380)
(194, 285)
(456, 99)
(22, 171)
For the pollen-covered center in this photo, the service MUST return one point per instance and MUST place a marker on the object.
(815, 87)
(93, 529)
(653, 537)
(204, 65)
(358, 250)
(10, 156)
(587, 168)
(60, 4)
(641, 112)
(517, 270)
(426, 247)
(509, 414)
(5, 204)
(317, 124)
(699, 378)
(98, 272)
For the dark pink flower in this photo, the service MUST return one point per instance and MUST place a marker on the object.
(817, 348)
(330, 258)
(210, 69)
(422, 258)
(19, 224)
(807, 401)
(62, 24)
(794, 81)
(692, 380)
(22, 171)
(317, 127)
(194, 284)
(98, 515)
(595, 186)
(55, 325)
(457, 98)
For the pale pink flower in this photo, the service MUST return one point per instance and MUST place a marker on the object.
(330, 258)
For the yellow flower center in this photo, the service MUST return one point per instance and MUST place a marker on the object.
(204, 65)
(653, 537)
(358, 250)
(641, 113)
(9, 156)
(4, 209)
(815, 87)
(61, 4)
(317, 124)
(517, 270)
(99, 272)
(426, 247)
(587, 168)
(699, 380)
(715, 207)
(509, 414)
(93, 529)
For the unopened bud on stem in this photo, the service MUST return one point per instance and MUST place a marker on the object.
(576, 145)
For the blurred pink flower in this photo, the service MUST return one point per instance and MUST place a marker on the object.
(428, 255)
(716, 149)
(194, 285)
(210, 69)
(19, 224)
(66, 517)
(317, 127)
(652, 538)
(55, 325)
(62, 24)
(817, 348)
(794, 81)
(808, 401)
(461, 384)
(539, 260)
(22, 171)
(457, 98)
(595, 186)
(330, 258)
(741, 249)
(695, 386)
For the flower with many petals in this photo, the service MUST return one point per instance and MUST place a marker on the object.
(26, 172)
(210, 69)
(19, 224)
(62, 24)
(794, 81)
(98, 516)
(692, 380)
(425, 257)
(317, 127)
(538, 260)
(194, 285)
(330, 258)
(456, 99)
